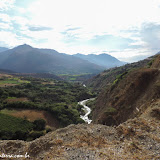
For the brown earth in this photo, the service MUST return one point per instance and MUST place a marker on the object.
(18, 100)
(32, 115)
(4, 75)
(129, 97)
(7, 85)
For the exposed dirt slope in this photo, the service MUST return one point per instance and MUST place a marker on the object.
(128, 96)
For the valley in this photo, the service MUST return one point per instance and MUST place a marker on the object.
(30, 99)
(79, 80)
(42, 109)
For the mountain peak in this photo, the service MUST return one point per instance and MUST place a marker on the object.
(26, 46)
(23, 48)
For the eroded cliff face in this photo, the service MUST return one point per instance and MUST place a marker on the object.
(137, 138)
(128, 96)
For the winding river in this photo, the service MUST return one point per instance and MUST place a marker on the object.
(86, 109)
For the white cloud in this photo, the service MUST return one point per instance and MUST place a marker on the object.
(5, 17)
(5, 26)
(132, 55)
(10, 39)
(6, 4)
(95, 15)
(90, 18)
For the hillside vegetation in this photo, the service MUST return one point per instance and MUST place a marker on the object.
(129, 94)
(58, 98)
(107, 77)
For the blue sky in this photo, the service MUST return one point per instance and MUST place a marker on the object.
(126, 29)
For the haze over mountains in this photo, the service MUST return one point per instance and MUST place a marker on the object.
(103, 59)
(26, 59)
(2, 49)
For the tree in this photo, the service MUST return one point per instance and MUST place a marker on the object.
(39, 124)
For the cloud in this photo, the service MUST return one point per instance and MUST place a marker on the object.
(150, 34)
(5, 26)
(11, 39)
(73, 29)
(122, 28)
(111, 42)
(39, 28)
(5, 18)
(6, 4)
(131, 55)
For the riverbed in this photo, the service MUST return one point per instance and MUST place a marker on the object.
(86, 109)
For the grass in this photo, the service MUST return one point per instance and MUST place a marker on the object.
(13, 124)
(12, 81)
(32, 115)
(7, 111)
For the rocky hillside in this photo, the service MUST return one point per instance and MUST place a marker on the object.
(128, 95)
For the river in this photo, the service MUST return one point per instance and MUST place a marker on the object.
(86, 109)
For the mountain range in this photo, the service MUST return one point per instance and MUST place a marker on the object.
(103, 59)
(26, 59)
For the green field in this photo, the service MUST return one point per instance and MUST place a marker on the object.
(14, 128)
(12, 81)
(13, 124)
(58, 98)
(7, 111)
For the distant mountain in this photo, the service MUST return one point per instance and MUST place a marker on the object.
(4, 71)
(26, 59)
(2, 49)
(104, 60)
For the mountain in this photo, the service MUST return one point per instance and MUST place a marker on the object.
(107, 77)
(104, 60)
(2, 49)
(27, 59)
(131, 93)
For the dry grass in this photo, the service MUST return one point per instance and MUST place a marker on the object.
(18, 100)
(5, 75)
(32, 115)
(7, 85)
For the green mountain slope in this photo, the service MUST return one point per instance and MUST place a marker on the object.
(26, 59)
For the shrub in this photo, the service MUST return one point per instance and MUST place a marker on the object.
(39, 124)
(35, 134)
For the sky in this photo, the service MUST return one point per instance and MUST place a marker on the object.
(126, 29)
